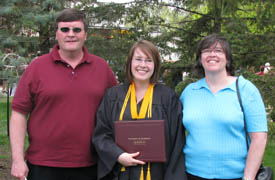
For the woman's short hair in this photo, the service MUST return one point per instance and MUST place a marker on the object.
(150, 50)
(209, 41)
(69, 15)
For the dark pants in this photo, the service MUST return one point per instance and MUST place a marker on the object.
(192, 177)
(55, 173)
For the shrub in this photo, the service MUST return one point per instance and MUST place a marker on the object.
(182, 84)
(271, 131)
(266, 85)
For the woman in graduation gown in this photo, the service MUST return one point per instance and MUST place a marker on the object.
(142, 97)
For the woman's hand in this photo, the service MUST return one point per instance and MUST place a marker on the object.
(128, 159)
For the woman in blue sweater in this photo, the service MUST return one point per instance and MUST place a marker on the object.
(216, 142)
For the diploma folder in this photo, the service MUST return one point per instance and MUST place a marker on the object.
(144, 136)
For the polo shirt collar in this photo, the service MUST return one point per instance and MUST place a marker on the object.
(56, 56)
(203, 84)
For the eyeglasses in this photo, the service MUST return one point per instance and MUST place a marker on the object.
(140, 60)
(67, 29)
(217, 51)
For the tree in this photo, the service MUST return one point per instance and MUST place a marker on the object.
(175, 26)
(27, 30)
(248, 25)
(28, 24)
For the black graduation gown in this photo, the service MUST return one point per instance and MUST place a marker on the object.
(167, 106)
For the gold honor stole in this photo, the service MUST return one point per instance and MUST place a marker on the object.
(146, 106)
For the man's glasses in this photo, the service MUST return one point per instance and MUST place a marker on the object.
(217, 51)
(67, 29)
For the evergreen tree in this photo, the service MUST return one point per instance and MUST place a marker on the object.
(175, 26)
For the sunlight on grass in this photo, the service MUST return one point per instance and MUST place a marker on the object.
(269, 156)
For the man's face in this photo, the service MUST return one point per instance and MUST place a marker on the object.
(71, 36)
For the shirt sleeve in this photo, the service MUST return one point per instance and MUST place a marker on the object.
(254, 108)
(24, 94)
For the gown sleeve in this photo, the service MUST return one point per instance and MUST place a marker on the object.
(103, 138)
(176, 140)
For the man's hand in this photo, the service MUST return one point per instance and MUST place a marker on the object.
(19, 169)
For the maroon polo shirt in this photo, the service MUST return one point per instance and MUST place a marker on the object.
(61, 103)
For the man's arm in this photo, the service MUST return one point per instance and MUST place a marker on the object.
(18, 125)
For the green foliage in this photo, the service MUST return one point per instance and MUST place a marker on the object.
(266, 86)
(31, 19)
(3, 117)
(172, 77)
(249, 25)
(174, 26)
(272, 115)
(182, 85)
(12, 66)
(271, 131)
(269, 155)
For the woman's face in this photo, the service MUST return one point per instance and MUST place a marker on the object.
(142, 66)
(213, 59)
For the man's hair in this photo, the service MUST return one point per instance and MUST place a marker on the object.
(209, 41)
(69, 15)
(150, 50)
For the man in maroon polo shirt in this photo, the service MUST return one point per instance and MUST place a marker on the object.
(55, 101)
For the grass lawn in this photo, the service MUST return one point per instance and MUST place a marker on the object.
(5, 157)
(269, 156)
